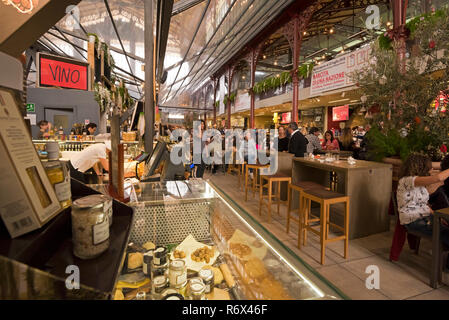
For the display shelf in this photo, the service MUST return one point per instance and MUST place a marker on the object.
(50, 249)
(166, 213)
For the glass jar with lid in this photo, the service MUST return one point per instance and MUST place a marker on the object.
(197, 289)
(59, 176)
(90, 227)
(177, 272)
(159, 265)
(159, 284)
(207, 275)
(107, 205)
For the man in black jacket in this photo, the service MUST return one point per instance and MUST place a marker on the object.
(298, 143)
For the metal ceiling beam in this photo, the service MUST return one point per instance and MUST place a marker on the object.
(184, 5)
(164, 17)
(272, 66)
(54, 45)
(205, 47)
(191, 41)
(244, 39)
(132, 56)
(67, 40)
(120, 40)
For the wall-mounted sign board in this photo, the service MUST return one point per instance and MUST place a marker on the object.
(55, 71)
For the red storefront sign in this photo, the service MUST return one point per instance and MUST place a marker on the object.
(340, 113)
(286, 117)
(61, 72)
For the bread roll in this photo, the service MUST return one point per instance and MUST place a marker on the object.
(135, 260)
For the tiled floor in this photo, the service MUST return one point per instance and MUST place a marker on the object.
(406, 279)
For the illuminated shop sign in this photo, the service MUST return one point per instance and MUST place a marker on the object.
(61, 72)
(340, 113)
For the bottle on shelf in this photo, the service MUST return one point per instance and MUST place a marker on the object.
(61, 133)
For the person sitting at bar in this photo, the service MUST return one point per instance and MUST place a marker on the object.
(44, 129)
(347, 142)
(91, 128)
(298, 143)
(330, 143)
(88, 159)
(412, 196)
(282, 140)
(314, 144)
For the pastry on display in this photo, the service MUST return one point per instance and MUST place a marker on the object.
(273, 290)
(179, 254)
(149, 246)
(255, 268)
(135, 260)
(203, 254)
(240, 249)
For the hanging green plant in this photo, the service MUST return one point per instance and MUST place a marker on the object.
(385, 42)
(285, 78)
(225, 100)
(305, 70)
(217, 104)
(102, 96)
(109, 60)
(232, 97)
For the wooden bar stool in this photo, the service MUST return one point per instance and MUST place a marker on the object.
(325, 198)
(255, 182)
(270, 180)
(241, 174)
(300, 187)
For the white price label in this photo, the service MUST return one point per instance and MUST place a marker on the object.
(63, 191)
(100, 232)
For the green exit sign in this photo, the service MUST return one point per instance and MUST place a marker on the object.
(31, 107)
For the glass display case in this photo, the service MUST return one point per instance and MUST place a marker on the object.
(187, 215)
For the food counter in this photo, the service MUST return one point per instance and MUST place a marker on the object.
(368, 185)
(199, 224)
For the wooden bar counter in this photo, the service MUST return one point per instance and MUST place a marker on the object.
(368, 185)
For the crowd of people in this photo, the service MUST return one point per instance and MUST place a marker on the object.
(295, 140)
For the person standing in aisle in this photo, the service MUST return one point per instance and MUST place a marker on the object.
(202, 166)
(282, 140)
(298, 143)
(91, 128)
(314, 144)
(88, 159)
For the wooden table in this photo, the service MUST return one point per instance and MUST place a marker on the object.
(436, 271)
(368, 185)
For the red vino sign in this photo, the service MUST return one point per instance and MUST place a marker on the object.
(61, 72)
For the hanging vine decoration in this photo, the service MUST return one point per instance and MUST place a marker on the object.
(274, 82)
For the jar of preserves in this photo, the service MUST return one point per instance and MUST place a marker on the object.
(182, 289)
(147, 259)
(107, 205)
(90, 227)
(160, 255)
(177, 272)
(160, 283)
(197, 290)
(207, 275)
(59, 176)
(173, 296)
(159, 265)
